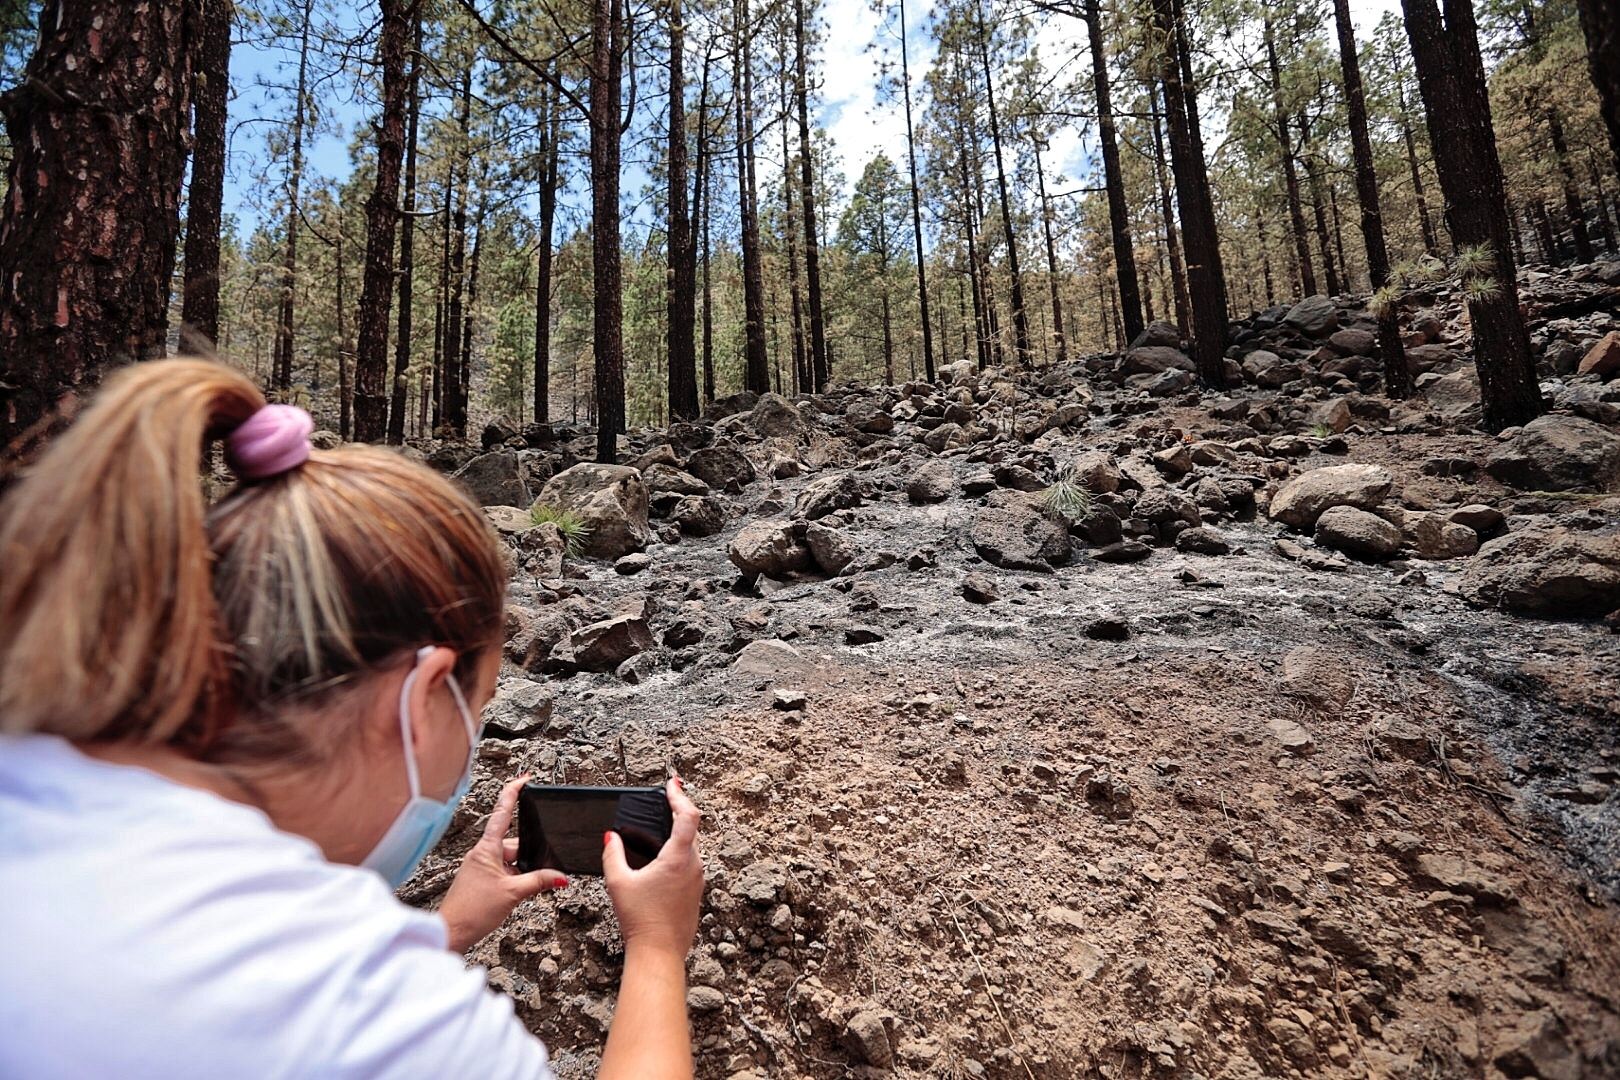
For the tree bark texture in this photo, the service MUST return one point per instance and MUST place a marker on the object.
(682, 297)
(211, 81)
(1119, 220)
(407, 246)
(1600, 22)
(607, 22)
(1451, 80)
(819, 364)
(371, 392)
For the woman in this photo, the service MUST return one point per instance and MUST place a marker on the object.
(231, 731)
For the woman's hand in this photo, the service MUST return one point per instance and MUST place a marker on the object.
(658, 905)
(488, 885)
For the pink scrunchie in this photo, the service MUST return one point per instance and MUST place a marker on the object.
(272, 441)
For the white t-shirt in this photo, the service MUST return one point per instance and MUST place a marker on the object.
(148, 929)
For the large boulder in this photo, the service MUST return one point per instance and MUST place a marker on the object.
(1157, 334)
(1547, 571)
(605, 645)
(699, 515)
(612, 502)
(769, 548)
(823, 495)
(1603, 358)
(933, 482)
(1314, 316)
(1301, 501)
(497, 479)
(661, 478)
(1154, 359)
(1017, 536)
(722, 466)
(1456, 396)
(1357, 533)
(1559, 453)
(775, 416)
(1352, 341)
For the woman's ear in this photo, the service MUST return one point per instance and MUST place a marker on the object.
(433, 665)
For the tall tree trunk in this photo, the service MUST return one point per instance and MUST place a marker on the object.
(1600, 22)
(1572, 196)
(551, 157)
(1172, 239)
(756, 371)
(1051, 264)
(211, 82)
(1020, 316)
(407, 244)
(1305, 273)
(453, 392)
(1605, 223)
(469, 319)
(1313, 177)
(607, 24)
(1451, 79)
(442, 306)
(1265, 255)
(1397, 376)
(295, 175)
(802, 378)
(1431, 239)
(682, 298)
(382, 218)
(1119, 220)
(820, 367)
(981, 331)
(345, 388)
(1546, 243)
(700, 222)
(1206, 283)
(916, 204)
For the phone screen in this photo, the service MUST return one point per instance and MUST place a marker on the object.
(561, 827)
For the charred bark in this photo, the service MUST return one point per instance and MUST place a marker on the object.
(211, 82)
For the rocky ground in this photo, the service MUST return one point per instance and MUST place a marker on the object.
(1077, 722)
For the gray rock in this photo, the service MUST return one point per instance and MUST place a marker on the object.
(979, 589)
(1559, 453)
(612, 502)
(1097, 472)
(1314, 316)
(1456, 396)
(776, 416)
(823, 495)
(944, 437)
(1435, 537)
(769, 548)
(1154, 359)
(866, 417)
(1487, 521)
(933, 482)
(542, 550)
(722, 466)
(832, 549)
(1302, 500)
(661, 478)
(1547, 571)
(605, 645)
(1020, 537)
(866, 1038)
(1357, 533)
(1157, 333)
(1352, 342)
(1202, 540)
(634, 563)
(1536, 1046)
(699, 515)
(496, 479)
(1124, 551)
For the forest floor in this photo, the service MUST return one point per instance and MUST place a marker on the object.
(1200, 815)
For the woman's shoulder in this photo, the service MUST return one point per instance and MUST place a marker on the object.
(192, 932)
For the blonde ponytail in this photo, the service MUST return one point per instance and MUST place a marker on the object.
(107, 614)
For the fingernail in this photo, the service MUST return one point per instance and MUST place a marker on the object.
(680, 783)
(562, 883)
(607, 838)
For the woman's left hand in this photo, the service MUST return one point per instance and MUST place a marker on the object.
(488, 885)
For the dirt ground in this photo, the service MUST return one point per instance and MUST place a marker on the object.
(1195, 816)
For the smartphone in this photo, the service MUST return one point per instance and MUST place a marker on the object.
(561, 827)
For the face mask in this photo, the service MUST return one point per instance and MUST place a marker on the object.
(422, 821)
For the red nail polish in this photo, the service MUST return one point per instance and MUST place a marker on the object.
(562, 883)
(680, 783)
(607, 838)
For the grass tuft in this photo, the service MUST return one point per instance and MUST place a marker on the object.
(575, 532)
(1068, 496)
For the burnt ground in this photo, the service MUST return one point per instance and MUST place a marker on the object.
(990, 845)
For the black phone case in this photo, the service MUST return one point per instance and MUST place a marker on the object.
(560, 828)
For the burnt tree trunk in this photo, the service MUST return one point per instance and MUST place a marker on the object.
(1206, 283)
(1051, 264)
(801, 356)
(819, 364)
(550, 159)
(382, 219)
(1313, 177)
(1119, 220)
(1305, 273)
(1572, 195)
(1451, 79)
(1016, 285)
(756, 372)
(1600, 21)
(295, 175)
(682, 298)
(916, 204)
(1397, 376)
(700, 225)
(1172, 238)
(1431, 239)
(452, 392)
(407, 246)
(211, 82)
(607, 24)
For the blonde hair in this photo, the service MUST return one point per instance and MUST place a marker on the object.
(132, 610)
